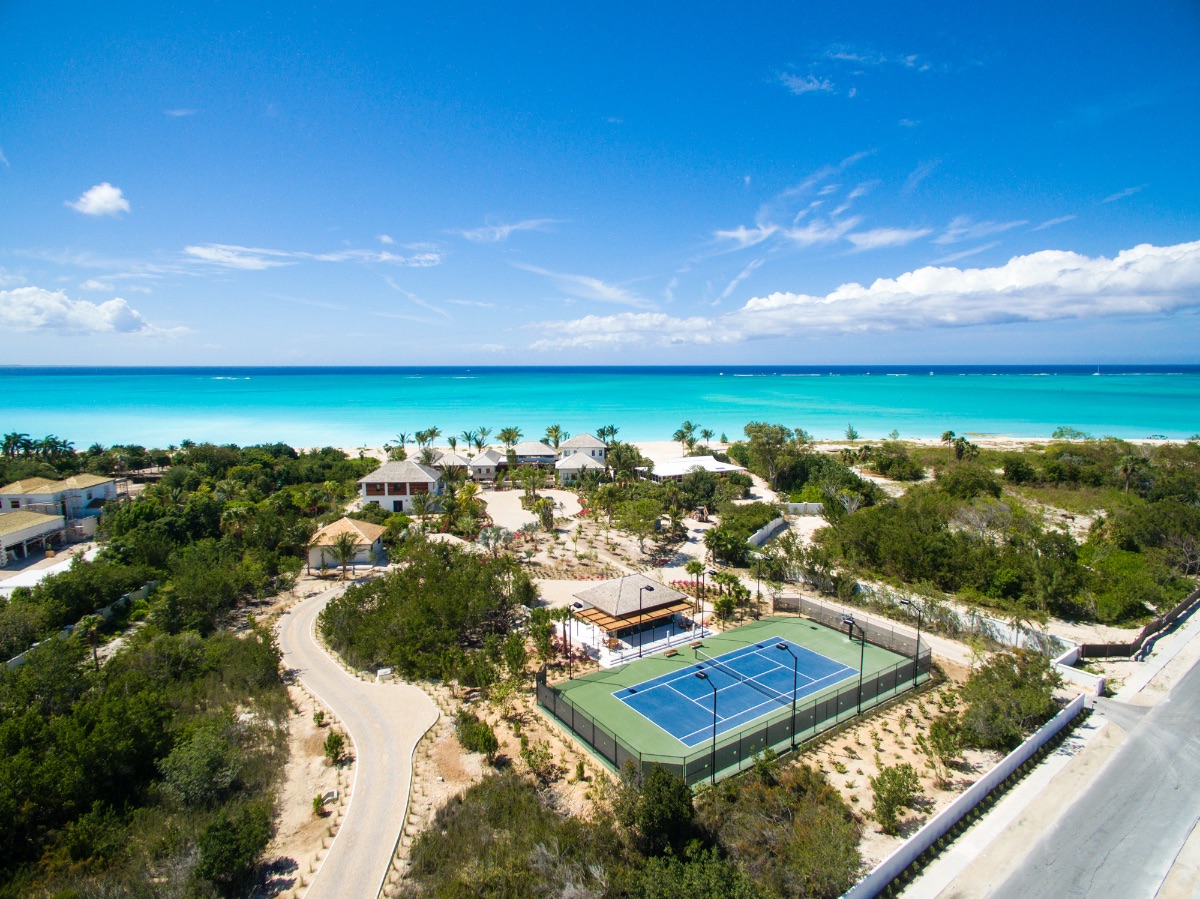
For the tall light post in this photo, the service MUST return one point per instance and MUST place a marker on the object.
(795, 686)
(712, 756)
(641, 634)
(917, 654)
(851, 624)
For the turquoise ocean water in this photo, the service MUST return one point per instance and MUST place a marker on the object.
(367, 406)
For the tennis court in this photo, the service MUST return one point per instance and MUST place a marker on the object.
(742, 685)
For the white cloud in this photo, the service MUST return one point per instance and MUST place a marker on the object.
(588, 288)
(821, 231)
(386, 238)
(103, 199)
(963, 254)
(3, 158)
(741, 276)
(919, 174)
(962, 227)
(878, 238)
(477, 304)
(179, 113)
(259, 258)
(908, 123)
(746, 237)
(499, 233)
(1122, 194)
(805, 84)
(416, 300)
(1047, 286)
(1050, 223)
(28, 309)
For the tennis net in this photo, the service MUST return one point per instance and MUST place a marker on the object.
(745, 679)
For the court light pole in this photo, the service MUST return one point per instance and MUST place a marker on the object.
(795, 685)
(641, 633)
(851, 624)
(712, 756)
(917, 654)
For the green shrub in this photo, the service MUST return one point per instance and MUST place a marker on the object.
(475, 735)
(894, 787)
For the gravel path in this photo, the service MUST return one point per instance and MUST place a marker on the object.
(385, 722)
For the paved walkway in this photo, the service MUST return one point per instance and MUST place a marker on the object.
(385, 722)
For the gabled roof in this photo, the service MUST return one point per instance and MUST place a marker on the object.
(364, 532)
(402, 472)
(578, 461)
(533, 448)
(11, 522)
(619, 596)
(582, 441)
(45, 485)
(452, 460)
(29, 485)
(489, 458)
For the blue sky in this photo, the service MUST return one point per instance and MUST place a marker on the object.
(626, 184)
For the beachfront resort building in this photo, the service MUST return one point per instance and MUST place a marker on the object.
(569, 468)
(583, 444)
(76, 497)
(368, 544)
(449, 460)
(675, 469)
(394, 484)
(533, 452)
(486, 465)
(23, 532)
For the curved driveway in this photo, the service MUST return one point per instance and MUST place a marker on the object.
(385, 722)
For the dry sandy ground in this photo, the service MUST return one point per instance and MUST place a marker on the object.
(300, 834)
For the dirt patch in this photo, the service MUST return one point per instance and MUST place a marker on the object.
(300, 834)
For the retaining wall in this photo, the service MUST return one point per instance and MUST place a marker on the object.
(893, 866)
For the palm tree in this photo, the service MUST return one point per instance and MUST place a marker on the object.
(509, 436)
(695, 568)
(948, 439)
(1128, 467)
(452, 442)
(686, 436)
(344, 549)
(402, 438)
(421, 503)
(481, 436)
(607, 433)
(89, 629)
(707, 434)
(556, 435)
(468, 439)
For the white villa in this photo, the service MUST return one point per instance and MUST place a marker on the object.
(675, 469)
(23, 530)
(486, 465)
(79, 496)
(534, 452)
(450, 459)
(583, 444)
(569, 468)
(394, 484)
(368, 543)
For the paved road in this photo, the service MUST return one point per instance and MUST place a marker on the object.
(385, 722)
(1121, 836)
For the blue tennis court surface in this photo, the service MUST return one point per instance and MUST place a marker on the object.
(751, 682)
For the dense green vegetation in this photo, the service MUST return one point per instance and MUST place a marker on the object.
(443, 614)
(970, 533)
(152, 772)
(774, 832)
(727, 541)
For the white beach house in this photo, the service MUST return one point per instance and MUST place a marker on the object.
(486, 465)
(583, 444)
(368, 543)
(78, 496)
(394, 484)
(675, 469)
(534, 452)
(569, 468)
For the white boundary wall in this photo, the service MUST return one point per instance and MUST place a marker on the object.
(763, 534)
(893, 866)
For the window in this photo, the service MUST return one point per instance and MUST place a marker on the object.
(16, 504)
(374, 489)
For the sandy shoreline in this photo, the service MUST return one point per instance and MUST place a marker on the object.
(665, 450)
